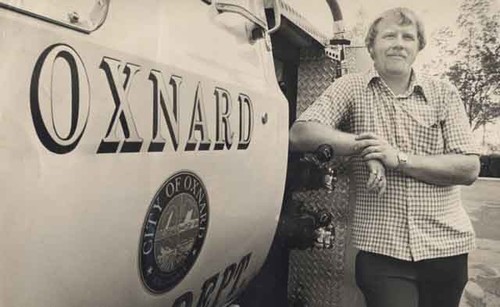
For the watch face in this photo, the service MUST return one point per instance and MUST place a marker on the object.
(402, 157)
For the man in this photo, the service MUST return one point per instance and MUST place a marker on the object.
(411, 145)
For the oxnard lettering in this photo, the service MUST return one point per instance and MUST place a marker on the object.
(120, 78)
(43, 104)
(123, 134)
(169, 107)
(224, 135)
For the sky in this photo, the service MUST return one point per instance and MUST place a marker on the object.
(434, 14)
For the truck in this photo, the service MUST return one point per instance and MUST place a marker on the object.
(144, 147)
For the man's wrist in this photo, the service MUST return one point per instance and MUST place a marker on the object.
(402, 160)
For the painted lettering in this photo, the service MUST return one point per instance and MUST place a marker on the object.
(157, 206)
(170, 189)
(198, 124)
(42, 101)
(115, 70)
(223, 134)
(226, 280)
(185, 300)
(242, 266)
(232, 274)
(246, 121)
(207, 290)
(169, 106)
(147, 247)
(62, 133)
(188, 182)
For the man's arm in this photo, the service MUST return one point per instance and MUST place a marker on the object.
(445, 169)
(307, 136)
(449, 169)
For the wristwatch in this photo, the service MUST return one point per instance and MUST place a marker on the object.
(402, 160)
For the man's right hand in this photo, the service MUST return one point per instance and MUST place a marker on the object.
(377, 182)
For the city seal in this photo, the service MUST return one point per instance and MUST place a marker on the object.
(173, 232)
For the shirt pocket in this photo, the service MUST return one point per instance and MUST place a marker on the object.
(423, 130)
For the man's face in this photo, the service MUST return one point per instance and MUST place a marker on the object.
(394, 48)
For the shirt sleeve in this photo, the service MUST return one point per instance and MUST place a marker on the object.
(457, 133)
(333, 105)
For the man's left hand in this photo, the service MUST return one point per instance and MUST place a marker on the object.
(372, 146)
(377, 182)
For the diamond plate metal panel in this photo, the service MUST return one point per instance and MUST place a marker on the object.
(316, 73)
(316, 277)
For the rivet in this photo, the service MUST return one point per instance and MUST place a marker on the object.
(264, 118)
(73, 17)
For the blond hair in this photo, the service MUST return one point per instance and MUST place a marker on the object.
(403, 16)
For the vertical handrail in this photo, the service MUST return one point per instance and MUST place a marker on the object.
(277, 17)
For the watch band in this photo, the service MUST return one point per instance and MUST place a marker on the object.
(402, 160)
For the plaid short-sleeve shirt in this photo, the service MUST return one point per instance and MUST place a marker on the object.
(413, 220)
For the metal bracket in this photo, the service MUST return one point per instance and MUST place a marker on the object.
(335, 52)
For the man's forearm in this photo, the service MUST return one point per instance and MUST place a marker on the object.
(451, 169)
(307, 136)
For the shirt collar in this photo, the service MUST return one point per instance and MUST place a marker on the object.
(417, 82)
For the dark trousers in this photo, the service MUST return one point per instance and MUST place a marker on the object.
(390, 282)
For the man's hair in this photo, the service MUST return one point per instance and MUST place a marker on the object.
(403, 16)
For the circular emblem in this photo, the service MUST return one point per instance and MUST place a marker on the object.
(173, 232)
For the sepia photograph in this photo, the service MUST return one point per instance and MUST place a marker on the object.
(250, 153)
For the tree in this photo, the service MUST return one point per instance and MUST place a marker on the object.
(474, 61)
(442, 46)
(358, 31)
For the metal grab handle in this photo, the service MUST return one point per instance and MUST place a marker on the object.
(277, 17)
(228, 6)
(225, 6)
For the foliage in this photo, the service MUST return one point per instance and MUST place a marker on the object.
(358, 31)
(472, 63)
